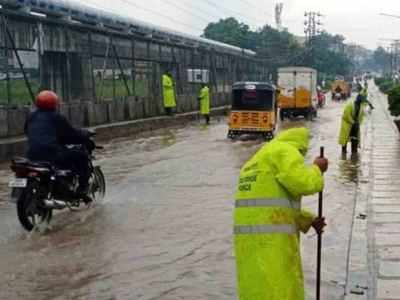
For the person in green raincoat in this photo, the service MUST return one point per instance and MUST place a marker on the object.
(268, 217)
(353, 116)
(204, 98)
(168, 92)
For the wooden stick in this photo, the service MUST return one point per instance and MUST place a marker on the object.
(319, 252)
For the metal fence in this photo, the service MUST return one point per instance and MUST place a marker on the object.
(85, 63)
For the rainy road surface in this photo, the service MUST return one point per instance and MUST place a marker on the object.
(164, 230)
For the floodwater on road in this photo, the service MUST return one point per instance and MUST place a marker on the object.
(164, 230)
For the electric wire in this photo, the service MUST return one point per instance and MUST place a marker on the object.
(154, 12)
(198, 9)
(219, 7)
(187, 11)
(253, 5)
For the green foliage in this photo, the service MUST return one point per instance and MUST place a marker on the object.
(229, 31)
(19, 91)
(394, 101)
(326, 54)
(385, 84)
(281, 48)
(381, 59)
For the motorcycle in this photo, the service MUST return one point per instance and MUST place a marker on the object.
(40, 187)
(321, 99)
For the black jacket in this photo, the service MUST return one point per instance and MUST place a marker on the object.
(48, 132)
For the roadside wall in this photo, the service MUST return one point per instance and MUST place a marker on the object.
(90, 114)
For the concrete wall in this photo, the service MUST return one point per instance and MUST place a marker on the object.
(90, 114)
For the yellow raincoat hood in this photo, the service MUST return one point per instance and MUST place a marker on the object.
(297, 137)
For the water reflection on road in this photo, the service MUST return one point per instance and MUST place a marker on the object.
(165, 229)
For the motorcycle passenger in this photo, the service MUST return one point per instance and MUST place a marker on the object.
(48, 134)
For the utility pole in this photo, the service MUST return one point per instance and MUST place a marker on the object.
(312, 28)
(312, 24)
(278, 16)
(394, 62)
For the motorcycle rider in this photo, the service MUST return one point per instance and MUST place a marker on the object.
(48, 134)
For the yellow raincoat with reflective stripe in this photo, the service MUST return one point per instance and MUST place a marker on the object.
(348, 121)
(269, 264)
(204, 98)
(168, 91)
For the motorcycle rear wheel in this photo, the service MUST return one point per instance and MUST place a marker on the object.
(30, 213)
(97, 185)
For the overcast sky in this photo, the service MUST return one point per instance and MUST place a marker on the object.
(358, 20)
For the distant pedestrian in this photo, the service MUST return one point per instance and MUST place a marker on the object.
(204, 98)
(168, 92)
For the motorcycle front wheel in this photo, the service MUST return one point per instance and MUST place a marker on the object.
(30, 213)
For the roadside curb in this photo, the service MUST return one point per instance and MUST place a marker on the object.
(357, 281)
(17, 146)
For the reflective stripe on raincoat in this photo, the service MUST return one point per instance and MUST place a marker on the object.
(204, 97)
(268, 218)
(348, 121)
(168, 91)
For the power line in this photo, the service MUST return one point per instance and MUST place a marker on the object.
(186, 11)
(161, 15)
(253, 5)
(389, 15)
(231, 11)
(207, 13)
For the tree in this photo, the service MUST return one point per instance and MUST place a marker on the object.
(230, 31)
(325, 52)
(280, 48)
(382, 59)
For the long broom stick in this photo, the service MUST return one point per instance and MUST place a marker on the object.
(319, 252)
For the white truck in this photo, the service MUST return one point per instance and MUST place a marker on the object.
(298, 92)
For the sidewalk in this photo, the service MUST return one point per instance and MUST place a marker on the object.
(384, 205)
(374, 269)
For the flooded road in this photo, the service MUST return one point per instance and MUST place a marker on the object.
(164, 230)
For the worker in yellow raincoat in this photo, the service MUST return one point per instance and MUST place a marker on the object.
(353, 116)
(168, 92)
(268, 217)
(204, 98)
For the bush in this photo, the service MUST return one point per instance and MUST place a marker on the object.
(385, 84)
(394, 101)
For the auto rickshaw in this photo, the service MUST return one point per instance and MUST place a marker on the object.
(254, 109)
(341, 90)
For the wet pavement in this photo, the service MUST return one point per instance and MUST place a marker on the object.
(384, 206)
(164, 230)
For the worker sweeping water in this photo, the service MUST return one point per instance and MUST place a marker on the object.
(352, 118)
(268, 217)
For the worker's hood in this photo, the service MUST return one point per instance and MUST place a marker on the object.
(297, 137)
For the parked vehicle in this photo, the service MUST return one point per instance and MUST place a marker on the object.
(254, 109)
(298, 95)
(40, 187)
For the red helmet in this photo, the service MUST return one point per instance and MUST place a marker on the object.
(47, 100)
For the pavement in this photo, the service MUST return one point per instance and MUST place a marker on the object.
(384, 206)
(374, 261)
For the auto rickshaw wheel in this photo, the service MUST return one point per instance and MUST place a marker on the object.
(268, 136)
(231, 135)
(310, 115)
(281, 115)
